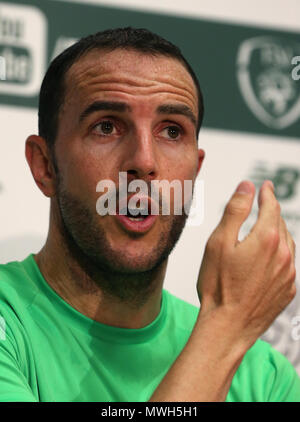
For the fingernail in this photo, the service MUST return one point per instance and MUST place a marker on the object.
(244, 187)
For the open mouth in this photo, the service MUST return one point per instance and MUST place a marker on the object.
(135, 214)
(136, 219)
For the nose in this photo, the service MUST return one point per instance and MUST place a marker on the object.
(140, 158)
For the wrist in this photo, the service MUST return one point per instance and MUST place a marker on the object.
(223, 333)
(204, 369)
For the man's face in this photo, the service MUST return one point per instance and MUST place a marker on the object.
(148, 132)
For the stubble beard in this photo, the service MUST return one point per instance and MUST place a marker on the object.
(98, 265)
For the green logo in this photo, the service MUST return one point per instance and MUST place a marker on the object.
(264, 73)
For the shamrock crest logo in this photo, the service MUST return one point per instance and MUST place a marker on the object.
(264, 67)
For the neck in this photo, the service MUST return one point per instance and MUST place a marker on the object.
(90, 290)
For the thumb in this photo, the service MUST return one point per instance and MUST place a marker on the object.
(237, 210)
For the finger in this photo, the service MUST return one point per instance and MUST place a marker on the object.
(269, 209)
(288, 236)
(286, 239)
(237, 211)
(283, 233)
(292, 245)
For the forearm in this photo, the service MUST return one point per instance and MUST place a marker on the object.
(204, 369)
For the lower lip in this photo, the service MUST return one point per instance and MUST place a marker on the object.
(137, 226)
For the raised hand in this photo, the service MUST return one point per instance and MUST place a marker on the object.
(250, 281)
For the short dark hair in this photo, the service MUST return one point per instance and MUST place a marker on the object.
(53, 86)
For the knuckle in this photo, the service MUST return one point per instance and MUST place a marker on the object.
(236, 207)
(292, 275)
(285, 256)
(271, 239)
(292, 292)
(209, 245)
(215, 242)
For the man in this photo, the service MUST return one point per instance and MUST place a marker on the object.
(87, 318)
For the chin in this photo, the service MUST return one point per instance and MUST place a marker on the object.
(134, 264)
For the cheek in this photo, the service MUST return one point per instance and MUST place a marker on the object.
(183, 166)
(182, 178)
(80, 174)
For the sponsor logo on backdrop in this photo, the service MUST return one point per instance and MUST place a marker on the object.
(286, 180)
(296, 328)
(22, 49)
(284, 333)
(296, 69)
(2, 69)
(264, 67)
(284, 177)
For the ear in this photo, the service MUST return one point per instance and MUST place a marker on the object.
(201, 155)
(40, 162)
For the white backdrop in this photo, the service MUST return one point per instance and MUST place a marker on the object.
(230, 158)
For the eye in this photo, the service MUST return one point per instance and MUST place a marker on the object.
(105, 128)
(172, 132)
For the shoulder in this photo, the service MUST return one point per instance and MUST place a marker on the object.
(17, 282)
(265, 375)
(17, 292)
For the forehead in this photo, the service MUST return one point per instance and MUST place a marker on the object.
(129, 72)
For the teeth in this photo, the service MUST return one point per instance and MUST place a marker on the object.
(134, 211)
(137, 211)
(135, 219)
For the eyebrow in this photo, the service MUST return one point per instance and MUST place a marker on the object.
(122, 107)
(177, 109)
(104, 105)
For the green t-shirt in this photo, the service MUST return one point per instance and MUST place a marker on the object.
(51, 352)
